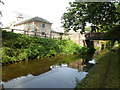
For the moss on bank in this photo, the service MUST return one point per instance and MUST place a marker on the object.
(106, 72)
(18, 47)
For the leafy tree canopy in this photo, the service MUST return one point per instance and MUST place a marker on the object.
(101, 15)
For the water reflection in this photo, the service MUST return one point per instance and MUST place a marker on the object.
(92, 61)
(79, 64)
(63, 77)
(58, 66)
(55, 72)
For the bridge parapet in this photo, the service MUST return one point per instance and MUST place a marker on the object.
(93, 36)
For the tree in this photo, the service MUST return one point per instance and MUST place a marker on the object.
(102, 16)
(1, 11)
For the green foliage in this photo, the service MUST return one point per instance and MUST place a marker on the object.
(107, 66)
(18, 47)
(88, 29)
(101, 15)
(111, 43)
(114, 32)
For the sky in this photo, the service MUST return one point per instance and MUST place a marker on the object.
(51, 10)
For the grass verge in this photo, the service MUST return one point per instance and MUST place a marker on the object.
(106, 72)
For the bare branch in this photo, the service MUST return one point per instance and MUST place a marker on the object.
(2, 2)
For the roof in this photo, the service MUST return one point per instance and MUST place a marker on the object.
(39, 19)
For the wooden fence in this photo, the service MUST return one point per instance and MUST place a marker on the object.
(35, 33)
(77, 38)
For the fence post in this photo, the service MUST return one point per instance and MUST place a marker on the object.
(60, 37)
(50, 34)
(27, 33)
(12, 30)
(35, 33)
(24, 32)
(45, 35)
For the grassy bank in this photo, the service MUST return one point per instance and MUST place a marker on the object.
(105, 74)
(18, 47)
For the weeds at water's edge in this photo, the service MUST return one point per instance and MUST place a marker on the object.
(105, 74)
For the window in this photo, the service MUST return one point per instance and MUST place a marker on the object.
(43, 25)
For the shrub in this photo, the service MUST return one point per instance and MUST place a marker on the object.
(18, 47)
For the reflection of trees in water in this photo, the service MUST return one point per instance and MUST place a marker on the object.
(82, 64)
(79, 64)
(89, 57)
(37, 67)
(88, 67)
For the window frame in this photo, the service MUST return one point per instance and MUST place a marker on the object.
(43, 25)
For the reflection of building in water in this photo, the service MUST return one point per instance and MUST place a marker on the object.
(58, 66)
(79, 64)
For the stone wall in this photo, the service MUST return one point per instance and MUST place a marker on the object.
(80, 39)
(77, 38)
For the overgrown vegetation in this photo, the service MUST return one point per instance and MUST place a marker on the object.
(106, 73)
(18, 47)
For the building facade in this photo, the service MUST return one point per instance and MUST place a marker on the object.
(33, 26)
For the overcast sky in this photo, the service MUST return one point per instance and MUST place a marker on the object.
(51, 10)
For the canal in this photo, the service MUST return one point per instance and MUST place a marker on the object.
(63, 71)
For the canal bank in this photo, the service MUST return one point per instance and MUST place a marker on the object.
(18, 47)
(105, 73)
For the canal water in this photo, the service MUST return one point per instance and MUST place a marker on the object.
(63, 71)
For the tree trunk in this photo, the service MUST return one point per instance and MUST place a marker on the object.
(89, 43)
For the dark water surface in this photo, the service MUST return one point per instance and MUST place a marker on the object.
(63, 71)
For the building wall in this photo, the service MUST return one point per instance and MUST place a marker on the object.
(33, 26)
(77, 38)
(47, 28)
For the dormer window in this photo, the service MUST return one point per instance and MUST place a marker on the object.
(43, 25)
